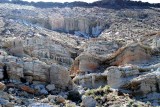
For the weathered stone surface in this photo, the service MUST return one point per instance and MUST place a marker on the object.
(28, 89)
(60, 99)
(50, 87)
(59, 76)
(15, 46)
(146, 83)
(81, 26)
(122, 57)
(94, 80)
(132, 54)
(95, 53)
(2, 86)
(40, 71)
(88, 102)
(119, 76)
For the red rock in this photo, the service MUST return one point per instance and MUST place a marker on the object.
(135, 54)
(28, 89)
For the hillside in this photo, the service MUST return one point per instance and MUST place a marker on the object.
(80, 56)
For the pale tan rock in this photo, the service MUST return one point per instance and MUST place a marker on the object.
(147, 83)
(93, 80)
(40, 71)
(96, 52)
(119, 76)
(15, 46)
(132, 54)
(2, 86)
(60, 99)
(59, 76)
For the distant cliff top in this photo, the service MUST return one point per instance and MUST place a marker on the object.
(102, 3)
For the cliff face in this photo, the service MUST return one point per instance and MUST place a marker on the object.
(65, 20)
(80, 26)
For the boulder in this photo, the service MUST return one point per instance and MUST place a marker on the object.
(51, 97)
(95, 54)
(119, 76)
(60, 99)
(88, 102)
(59, 76)
(40, 71)
(28, 68)
(15, 46)
(85, 63)
(93, 80)
(16, 71)
(28, 89)
(43, 92)
(2, 86)
(50, 87)
(14, 67)
(41, 89)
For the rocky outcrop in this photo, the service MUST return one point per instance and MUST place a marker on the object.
(15, 46)
(84, 63)
(132, 54)
(96, 52)
(93, 80)
(80, 26)
(147, 83)
(119, 76)
(40, 61)
(47, 50)
(93, 57)
(58, 20)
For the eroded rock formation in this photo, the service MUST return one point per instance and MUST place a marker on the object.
(122, 63)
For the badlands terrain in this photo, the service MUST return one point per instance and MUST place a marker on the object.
(79, 56)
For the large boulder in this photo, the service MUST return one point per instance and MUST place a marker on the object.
(36, 70)
(119, 76)
(40, 71)
(14, 67)
(59, 76)
(84, 63)
(15, 46)
(88, 102)
(2, 86)
(93, 80)
(50, 87)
